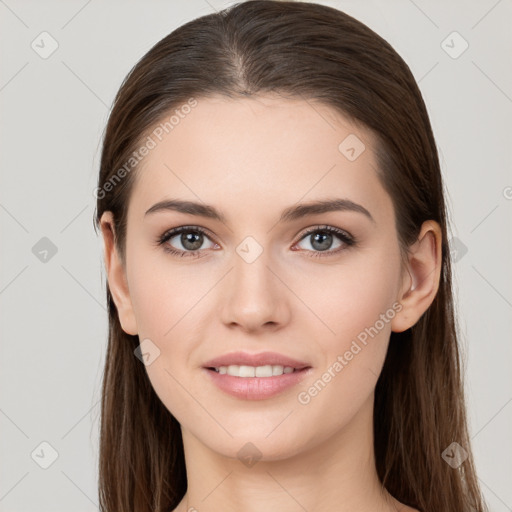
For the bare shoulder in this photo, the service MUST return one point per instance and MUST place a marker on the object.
(402, 507)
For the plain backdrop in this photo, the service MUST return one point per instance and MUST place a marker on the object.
(53, 312)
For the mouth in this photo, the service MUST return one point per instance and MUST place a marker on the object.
(255, 376)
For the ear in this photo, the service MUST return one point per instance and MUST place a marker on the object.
(422, 283)
(116, 274)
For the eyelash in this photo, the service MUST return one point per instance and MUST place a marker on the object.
(345, 237)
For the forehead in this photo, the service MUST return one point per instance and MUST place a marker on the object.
(257, 152)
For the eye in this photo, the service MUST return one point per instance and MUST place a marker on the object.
(321, 238)
(190, 238)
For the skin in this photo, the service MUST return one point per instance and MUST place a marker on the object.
(251, 159)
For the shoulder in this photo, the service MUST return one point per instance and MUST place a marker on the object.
(401, 507)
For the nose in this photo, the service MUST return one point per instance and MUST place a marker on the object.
(253, 296)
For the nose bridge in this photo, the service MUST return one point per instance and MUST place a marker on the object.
(251, 273)
(252, 295)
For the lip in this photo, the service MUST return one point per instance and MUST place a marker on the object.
(256, 388)
(261, 359)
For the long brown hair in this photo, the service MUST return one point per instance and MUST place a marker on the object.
(309, 51)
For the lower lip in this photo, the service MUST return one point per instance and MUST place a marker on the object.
(256, 388)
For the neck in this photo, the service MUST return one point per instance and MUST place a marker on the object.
(337, 474)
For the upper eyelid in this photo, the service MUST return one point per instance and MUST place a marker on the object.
(171, 233)
(326, 227)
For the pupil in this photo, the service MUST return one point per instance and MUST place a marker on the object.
(324, 239)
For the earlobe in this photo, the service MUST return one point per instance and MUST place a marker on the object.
(116, 276)
(424, 269)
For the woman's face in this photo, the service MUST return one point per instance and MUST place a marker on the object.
(257, 282)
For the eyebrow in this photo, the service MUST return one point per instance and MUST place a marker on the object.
(288, 215)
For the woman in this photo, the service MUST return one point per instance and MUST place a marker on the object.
(282, 331)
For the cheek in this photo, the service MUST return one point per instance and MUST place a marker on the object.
(353, 306)
(161, 293)
(163, 298)
(348, 298)
(167, 301)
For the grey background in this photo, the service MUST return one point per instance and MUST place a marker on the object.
(54, 324)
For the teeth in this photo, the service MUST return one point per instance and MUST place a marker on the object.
(254, 371)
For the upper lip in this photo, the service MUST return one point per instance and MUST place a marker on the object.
(260, 359)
